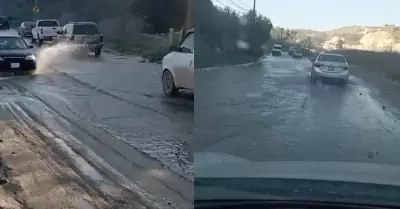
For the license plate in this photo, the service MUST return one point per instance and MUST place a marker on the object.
(15, 65)
(331, 68)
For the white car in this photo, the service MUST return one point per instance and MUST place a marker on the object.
(178, 66)
(331, 66)
(277, 50)
(298, 53)
(45, 30)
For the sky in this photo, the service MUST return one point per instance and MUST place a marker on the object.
(322, 14)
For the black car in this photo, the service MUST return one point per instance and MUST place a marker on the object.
(4, 23)
(25, 29)
(16, 56)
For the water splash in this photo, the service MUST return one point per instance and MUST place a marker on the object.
(49, 56)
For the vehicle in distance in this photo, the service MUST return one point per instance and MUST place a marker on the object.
(16, 56)
(291, 50)
(84, 35)
(298, 53)
(178, 66)
(4, 23)
(330, 66)
(277, 50)
(45, 30)
(25, 29)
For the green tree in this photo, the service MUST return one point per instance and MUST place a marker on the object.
(224, 36)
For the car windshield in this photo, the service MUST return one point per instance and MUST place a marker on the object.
(48, 23)
(11, 43)
(332, 58)
(29, 24)
(86, 29)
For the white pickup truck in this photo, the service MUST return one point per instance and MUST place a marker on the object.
(45, 30)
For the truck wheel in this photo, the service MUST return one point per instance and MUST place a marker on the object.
(97, 52)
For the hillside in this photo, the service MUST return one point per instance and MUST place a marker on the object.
(373, 38)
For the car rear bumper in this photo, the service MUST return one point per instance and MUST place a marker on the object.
(344, 75)
(47, 38)
(90, 47)
(276, 53)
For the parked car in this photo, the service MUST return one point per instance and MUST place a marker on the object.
(331, 66)
(16, 56)
(298, 53)
(85, 36)
(277, 50)
(178, 66)
(4, 23)
(25, 29)
(45, 30)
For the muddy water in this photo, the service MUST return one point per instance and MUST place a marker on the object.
(271, 112)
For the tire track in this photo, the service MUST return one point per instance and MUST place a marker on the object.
(105, 92)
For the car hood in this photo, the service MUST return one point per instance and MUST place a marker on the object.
(19, 52)
(218, 165)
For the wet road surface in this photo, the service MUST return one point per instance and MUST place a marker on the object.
(270, 111)
(113, 106)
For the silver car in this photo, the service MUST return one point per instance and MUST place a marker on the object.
(331, 66)
(85, 35)
(298, 53)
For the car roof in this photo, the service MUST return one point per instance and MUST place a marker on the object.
(9, 36)
(48, 20)
(82, 23)
(331, 54)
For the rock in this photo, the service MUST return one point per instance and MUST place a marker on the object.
(360, 94)
(384, 107)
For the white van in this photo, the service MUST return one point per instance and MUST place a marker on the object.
(277, 50)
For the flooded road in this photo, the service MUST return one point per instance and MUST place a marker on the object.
(111, 111)
(270, 111)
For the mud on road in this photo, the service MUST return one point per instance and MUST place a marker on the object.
(35, 176)
(108, 118)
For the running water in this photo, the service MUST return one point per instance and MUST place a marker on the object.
(49, 56)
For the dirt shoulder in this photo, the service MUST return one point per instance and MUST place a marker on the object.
(383, 88)
(35, 177)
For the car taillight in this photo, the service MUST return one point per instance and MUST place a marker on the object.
(41, 30)
(345, 68)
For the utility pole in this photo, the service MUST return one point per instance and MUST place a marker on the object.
(189, 15)
(254, 10)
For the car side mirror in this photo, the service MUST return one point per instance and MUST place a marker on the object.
(31, 46)
(175, 49)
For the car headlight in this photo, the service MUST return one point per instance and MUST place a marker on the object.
(30, 57)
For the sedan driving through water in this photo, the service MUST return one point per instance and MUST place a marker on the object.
(16, 56)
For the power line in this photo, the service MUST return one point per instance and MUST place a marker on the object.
(243, 4)
(219, 2)
(238, 6)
